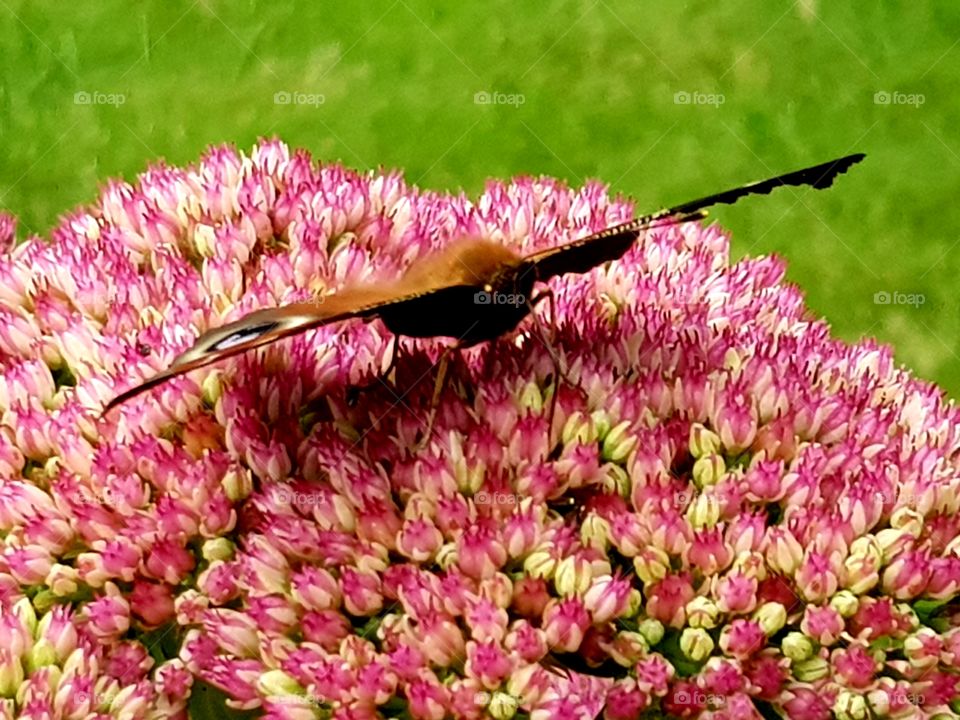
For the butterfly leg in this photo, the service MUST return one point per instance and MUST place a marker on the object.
(438, 387)
(548, 343)
(382, 378)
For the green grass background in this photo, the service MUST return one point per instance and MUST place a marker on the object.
(598, 79)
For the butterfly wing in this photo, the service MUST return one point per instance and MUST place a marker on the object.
(461, 265)
(583, 255)
(818, 177)
(262, 327)
(587, 253)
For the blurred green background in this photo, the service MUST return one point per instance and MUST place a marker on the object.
(663, 101)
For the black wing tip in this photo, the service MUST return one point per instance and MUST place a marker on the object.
(834, 168)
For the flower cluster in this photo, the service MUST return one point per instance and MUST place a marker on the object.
(732, 516)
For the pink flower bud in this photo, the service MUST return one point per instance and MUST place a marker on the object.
(427, 698)
(607, 598)
(528, 642)
(667, 599)
(855, 665)
(654, 674)
(565, 622)
(152, 602)
(823, 624)
(625, 701)
(361, 592)
(440, 639)
(742, 638)
(817, 577)
(108, 617)
(487, 663)
(735, 593)
(480, 552)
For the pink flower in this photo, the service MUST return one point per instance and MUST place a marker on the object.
(488, 663)
(823, 624)
(607, 598)
(152, 602)
(668, 599)
(742, 639)
(428, 698)
(804, 703)
(565, 622)
(108, 616)
(720, 471)
(625, 701)
(854, 665)
(480, 551)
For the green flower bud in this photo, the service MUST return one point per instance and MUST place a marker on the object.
(540, 564)
(771, 616)
(845, 603)
(277, 682)
(572, 577)
(616, 480)
(218, 549)
(447, 555)
(851, 706)
(652, 631)
(237, 484)
(696, 644)
(704, 512)
(703, 441)
(211, 388)
(503, 706)
(619, 443)
(652, 564)
(797, 646)
(41, 654)
(811, 669)
(26, 614)
(531, 397)
(702, 612)
(11, 676)
(578, 429)
(601, 424)
(708, 470)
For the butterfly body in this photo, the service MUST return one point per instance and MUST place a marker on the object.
(484, 297)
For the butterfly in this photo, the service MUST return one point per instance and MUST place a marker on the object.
(473, 290)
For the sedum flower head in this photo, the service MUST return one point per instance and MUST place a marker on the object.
(732, 510)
